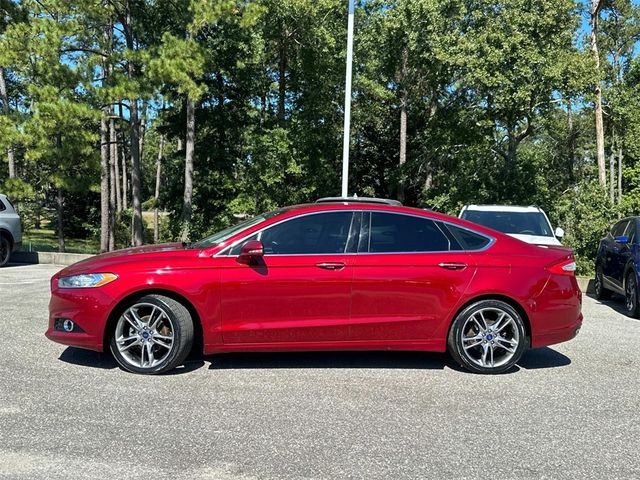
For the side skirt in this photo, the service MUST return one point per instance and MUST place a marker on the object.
(433, 345)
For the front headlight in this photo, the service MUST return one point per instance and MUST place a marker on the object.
(88, 280)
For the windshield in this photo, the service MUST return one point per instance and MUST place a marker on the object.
(524, 223)
(229, 232)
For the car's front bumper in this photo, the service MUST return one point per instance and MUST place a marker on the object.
(88, 308)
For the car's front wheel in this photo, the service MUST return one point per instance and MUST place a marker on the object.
(5, 250)
(631, 295)
(488, 336)
(152, 335)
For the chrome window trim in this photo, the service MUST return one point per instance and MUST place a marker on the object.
(223, 253)
(492, 240)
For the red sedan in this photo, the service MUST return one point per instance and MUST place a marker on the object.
(335, 275)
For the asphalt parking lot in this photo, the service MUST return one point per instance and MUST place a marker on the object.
(569, 411)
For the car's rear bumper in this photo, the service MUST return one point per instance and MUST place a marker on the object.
(557, 314)
(559, 335)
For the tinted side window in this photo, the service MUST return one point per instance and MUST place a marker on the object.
(618, 228)
(468, 239)
(309, 234)
(404, 233)
(2, 207)
(630, 231)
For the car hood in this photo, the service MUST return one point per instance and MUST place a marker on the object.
(103, 261)
(535, 239)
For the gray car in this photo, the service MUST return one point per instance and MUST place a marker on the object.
(10, 230)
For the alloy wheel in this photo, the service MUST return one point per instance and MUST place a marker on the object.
(631, 293)
(490, 337)
(144, 335)
(5, 251)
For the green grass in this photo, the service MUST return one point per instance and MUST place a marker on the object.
(44, 240)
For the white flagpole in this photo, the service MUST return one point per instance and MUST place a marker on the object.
(347, 103)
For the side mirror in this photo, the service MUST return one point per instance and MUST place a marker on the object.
(559, 233)
(621, 239)
(252, 249)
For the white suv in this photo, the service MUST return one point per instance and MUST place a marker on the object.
(529, 224)
(10, 230)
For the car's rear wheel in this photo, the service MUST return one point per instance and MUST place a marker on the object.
(601, 292)
(631, 295)
(152, 335)
(488, 336)
(5, 250)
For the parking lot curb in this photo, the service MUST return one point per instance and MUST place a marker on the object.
(585, 284)
(53, 258)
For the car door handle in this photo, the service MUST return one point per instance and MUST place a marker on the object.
(330, 265)
(453, 265)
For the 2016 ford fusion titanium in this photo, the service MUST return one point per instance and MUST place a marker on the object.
(336, 275)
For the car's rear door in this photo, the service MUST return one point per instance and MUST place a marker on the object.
(301, 291)
(407, 277)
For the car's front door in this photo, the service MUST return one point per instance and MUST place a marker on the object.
(614, 256)
(623, 253)
(300, 291)
(407, 278)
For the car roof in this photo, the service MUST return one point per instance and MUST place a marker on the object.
(502, 208)
(381, 207)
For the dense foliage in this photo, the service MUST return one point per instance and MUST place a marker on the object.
(241, 102)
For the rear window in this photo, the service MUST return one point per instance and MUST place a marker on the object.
(523, 223)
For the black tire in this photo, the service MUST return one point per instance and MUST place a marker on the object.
(183, 334)
(464, 321)
(631, 295)
(5, 250)
(601, 293)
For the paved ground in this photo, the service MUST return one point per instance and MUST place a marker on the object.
(571, 411)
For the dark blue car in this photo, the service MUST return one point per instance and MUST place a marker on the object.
(618, 264)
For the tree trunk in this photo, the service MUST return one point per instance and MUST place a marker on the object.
(512, 150)
(125, 179)
(4, 97)
(596, 6)
(114, 181)
(572, 140)
(104, 181)
(282, 81)
(188, 170)
(612, 168)
(115, 160)
(60, 207)
(125, 182)
(620, 155)
(404, 99)
(143, 126)
(263, 108)
(156, 222)
(135, 136)
(135, 177)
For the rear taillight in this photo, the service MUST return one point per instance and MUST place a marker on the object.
(566, 266)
